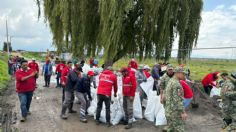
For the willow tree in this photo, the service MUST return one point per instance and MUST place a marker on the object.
(143, 28)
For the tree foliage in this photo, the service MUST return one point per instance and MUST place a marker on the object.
(143, 28)
(5, 47)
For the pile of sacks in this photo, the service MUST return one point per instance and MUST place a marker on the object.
(117, 112)
(154, 109)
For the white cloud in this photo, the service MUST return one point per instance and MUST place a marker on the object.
(217, 29)
(28, 32)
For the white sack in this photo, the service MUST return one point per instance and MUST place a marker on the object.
(160, 117)
(137, 108)
(149, 113)
(215, 91)
(160, 113)
(147, 86)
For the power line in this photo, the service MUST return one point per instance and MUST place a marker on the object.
(204, 48)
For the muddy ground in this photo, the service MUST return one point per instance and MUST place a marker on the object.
(46, 107)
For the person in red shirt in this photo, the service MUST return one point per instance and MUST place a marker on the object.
(64, 74)
(129, 88)
(208, 81)
(107, 80)
(33, 65)
(91, 62)
(133, 64)
(59, 69)
(25, 86)
(188, 93)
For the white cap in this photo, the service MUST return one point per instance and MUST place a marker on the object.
(146, 67)
(33, 58)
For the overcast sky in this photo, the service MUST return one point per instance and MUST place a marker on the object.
(218, 27)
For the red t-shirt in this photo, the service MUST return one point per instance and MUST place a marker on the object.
(147, 74)
(34, 66)
(27, 85)
(64, 75)
(188, 93)
(60, 67)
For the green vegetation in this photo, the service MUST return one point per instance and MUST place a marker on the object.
(142, 28)
(4, 76)
(30, 55)
(198, 67)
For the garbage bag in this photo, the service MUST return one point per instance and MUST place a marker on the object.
(137, 108)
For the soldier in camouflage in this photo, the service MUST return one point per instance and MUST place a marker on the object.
(164, 81)
(174, 108)
(228, 95)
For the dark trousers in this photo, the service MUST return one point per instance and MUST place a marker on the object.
(208, 89)
(68, 102)
(58, 79)
(47, 79)
(63, 93)
(63, 97)
(107, 101)
(25, 101)
(128, 109)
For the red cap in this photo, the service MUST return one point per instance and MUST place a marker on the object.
(91, 73)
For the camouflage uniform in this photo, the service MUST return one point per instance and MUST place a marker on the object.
(164, 81)
(174, 106)
(228, 94)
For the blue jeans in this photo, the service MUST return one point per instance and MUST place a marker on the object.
(187, 102)
(25, 101)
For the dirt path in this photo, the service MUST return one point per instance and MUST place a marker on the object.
(46, 106)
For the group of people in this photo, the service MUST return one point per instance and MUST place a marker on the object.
(14, 64)
(172, 86)
(227, 84)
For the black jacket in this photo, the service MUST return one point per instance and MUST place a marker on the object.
(72, 79)
(83, 85)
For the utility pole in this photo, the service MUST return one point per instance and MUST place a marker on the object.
(8, 53)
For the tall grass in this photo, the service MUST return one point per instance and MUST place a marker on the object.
(4, 77)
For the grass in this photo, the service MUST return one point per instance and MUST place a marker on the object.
(4, 77)
(198, 67)
(36, 55)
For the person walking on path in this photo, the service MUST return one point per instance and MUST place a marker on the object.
(69, 91)
(107, 80)
(129, 88)
(33, 65)
(174, 108)
(25, 86)
(59, 69)
(83, 94)
(47, 72)
(64, 75)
